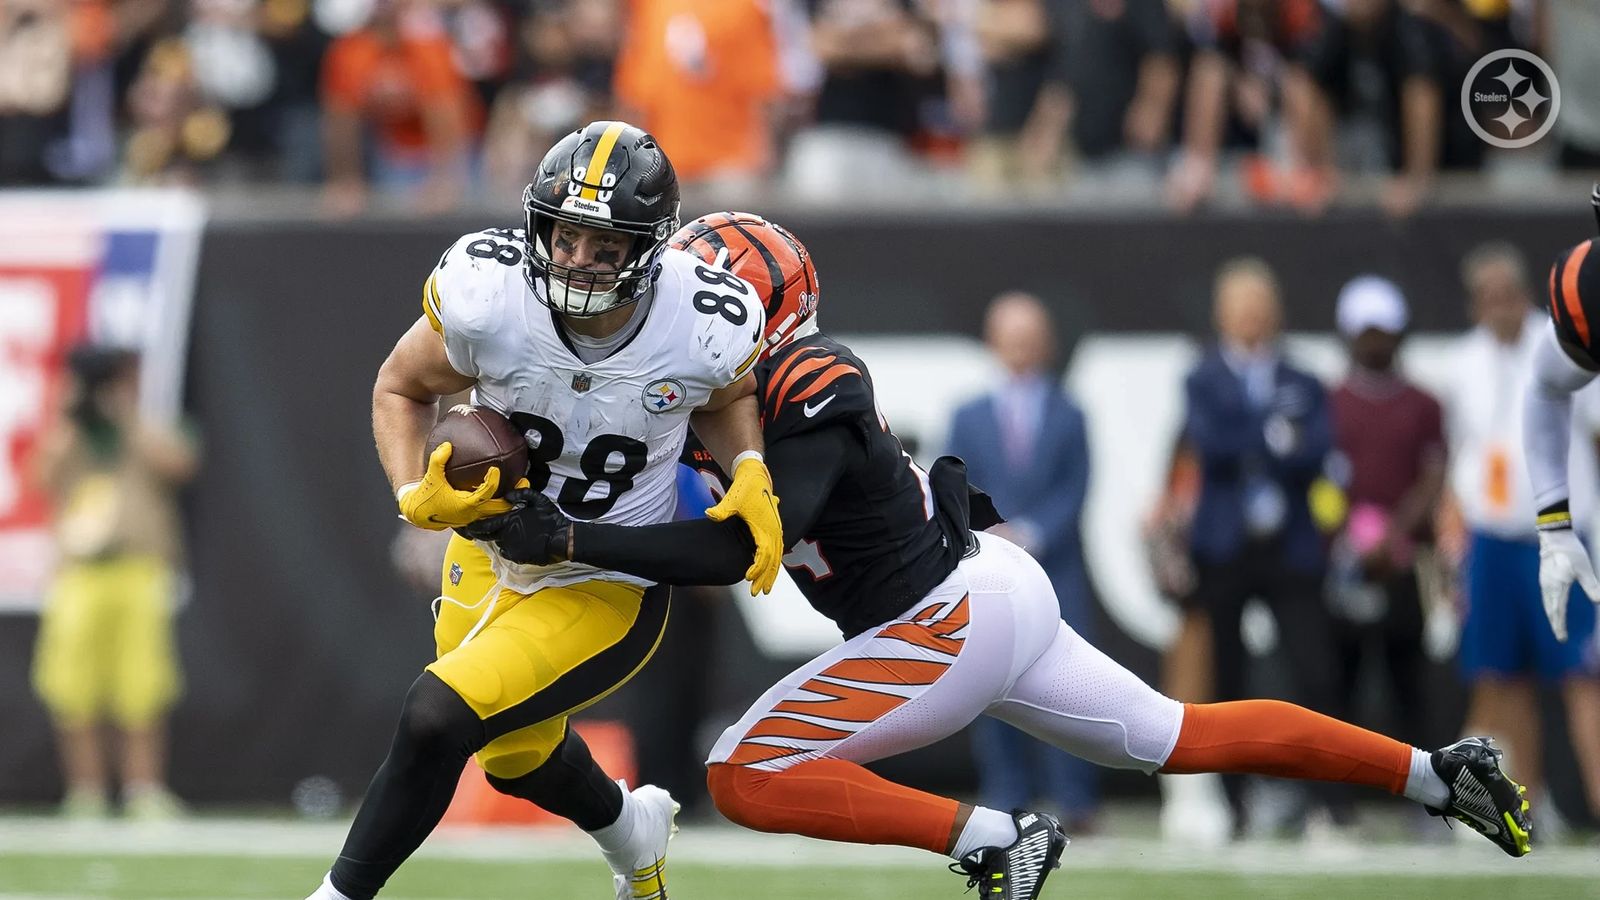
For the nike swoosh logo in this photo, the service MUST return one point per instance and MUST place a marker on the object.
(1490, 826)
(810, 410)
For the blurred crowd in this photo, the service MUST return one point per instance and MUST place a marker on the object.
(441, 102)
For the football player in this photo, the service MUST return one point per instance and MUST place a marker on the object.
(1566, 359)
(602, 345)
(941, 625)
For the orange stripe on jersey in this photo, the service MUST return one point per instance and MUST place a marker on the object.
(828, 376)
(848, 704)
(785, 727)
(1569, 289)
(782, 370)
(775, 390)
(750, 754)
(887, 670)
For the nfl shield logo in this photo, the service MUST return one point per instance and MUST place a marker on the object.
(580, 381)
(455, 573)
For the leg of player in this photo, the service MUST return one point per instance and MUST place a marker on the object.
(410, 792)
(631, 827)
(794, 763)
(1082, 701)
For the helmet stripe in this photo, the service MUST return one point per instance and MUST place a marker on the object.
(598, 159)
(774, 271)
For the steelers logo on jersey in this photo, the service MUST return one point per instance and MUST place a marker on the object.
(664, 395)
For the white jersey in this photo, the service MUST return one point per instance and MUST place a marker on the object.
(603, 437)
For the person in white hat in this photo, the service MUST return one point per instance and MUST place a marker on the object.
(1390, 461)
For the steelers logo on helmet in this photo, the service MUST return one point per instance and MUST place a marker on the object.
(769, 257)
(599, 211)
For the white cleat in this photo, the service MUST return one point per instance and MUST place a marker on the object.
(640, 872)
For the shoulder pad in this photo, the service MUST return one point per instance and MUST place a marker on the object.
(807, 385)
(728, 319)
(464, 290)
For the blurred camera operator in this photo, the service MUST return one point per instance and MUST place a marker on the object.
(105, 651)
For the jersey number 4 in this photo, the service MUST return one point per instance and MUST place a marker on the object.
(595, 461)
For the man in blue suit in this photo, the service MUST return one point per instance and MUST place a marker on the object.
(1026, 445)
(1262, 429)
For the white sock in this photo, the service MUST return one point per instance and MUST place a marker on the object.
(986, 828)
(326, 890)
(1424, 784)
(614, 838)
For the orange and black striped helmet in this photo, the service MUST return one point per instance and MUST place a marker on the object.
(770, 258)
(1575, 297)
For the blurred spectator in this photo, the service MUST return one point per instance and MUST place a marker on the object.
(703, 79)
(105, 653)
(1027, 116)
(175, 131)
(1193, 808)
(1572, 33)
(1261, 428)
(1391, 449)
(35, 83)
(396, 78)
(1507, 646)
(1380, 71)
(1119, 60)
(876, 55)
(563, 80)
(1026, 445)
(293, 113)
(1242, 52)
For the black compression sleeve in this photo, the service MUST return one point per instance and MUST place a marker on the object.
(804, 469)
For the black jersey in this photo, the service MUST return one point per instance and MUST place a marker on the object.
(878, 544)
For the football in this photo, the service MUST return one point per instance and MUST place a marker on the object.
(480, 439)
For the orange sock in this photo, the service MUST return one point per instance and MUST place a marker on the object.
(1269, 737)
(834, 800)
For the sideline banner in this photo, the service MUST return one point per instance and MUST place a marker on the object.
(113, 267)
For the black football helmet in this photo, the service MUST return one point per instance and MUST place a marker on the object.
(604, 175)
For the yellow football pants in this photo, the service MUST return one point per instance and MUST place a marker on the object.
(525, 662)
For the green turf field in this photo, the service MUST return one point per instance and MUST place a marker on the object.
(248, 858)
(149, 877)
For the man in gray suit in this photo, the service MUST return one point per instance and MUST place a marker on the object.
(1025, 444)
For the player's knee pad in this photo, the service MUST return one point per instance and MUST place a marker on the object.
(436, 723)
(734, 791)
(570, 784)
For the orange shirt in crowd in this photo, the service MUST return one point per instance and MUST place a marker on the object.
(391, 83)
(700, 76)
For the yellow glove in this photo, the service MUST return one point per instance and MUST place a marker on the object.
(750, 498)
(433, 504)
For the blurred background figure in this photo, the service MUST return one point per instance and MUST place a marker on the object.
(561, 79)
(704, 80)
(1390, 461)
(1507, 648)
(395, 83)
(1026, 445)
(1261, 429)
(105, 660)
(1194, 809)
(878, 59)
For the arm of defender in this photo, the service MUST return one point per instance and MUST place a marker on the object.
(805, 468)
(1546, 435)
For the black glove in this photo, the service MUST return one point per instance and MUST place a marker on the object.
(536, 531)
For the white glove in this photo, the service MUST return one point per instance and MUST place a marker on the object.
(1563, 560)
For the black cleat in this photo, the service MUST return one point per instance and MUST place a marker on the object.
(1482, 796)
(1016, 872)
